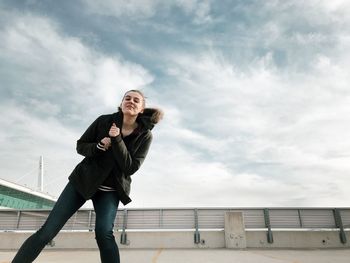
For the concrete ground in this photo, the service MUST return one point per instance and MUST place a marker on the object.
(194, 255)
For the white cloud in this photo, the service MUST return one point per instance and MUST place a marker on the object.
(59, 66)
(297, 29)
(136, 9)
(114, 77)
(143, 8)
(335, 5)
(264, 119)
(200, 9)
(298, 121)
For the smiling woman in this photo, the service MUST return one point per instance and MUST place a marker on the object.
(114, 146)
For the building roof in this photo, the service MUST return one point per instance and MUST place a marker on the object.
(20, 197)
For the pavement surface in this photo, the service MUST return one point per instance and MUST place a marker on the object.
(193, 255)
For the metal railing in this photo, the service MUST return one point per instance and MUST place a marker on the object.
(194, 219)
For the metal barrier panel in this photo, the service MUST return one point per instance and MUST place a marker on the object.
(317, 218)
(79, 221)
(32, 220)
(8, 220)
(215, 218)
(284, 218)
(178, 219)
(211, 218)
(345, 214)
(254, 218)
(182, 218)
(143, 219)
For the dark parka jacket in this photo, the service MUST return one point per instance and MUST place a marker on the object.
(119, 161)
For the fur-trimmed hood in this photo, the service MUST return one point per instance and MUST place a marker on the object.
(150, 117)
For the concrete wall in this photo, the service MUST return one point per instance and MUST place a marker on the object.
(185, 239)
(235, 236)
(297, 239)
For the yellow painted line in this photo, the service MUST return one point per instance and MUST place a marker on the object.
(156, 256)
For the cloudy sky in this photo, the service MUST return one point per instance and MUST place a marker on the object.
(255, 94)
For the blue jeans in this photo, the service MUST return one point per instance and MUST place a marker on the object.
(105, 205)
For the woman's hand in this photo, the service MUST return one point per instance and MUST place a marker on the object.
(106, 141)
(114, 131)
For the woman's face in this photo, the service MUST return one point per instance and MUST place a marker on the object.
(132, 103)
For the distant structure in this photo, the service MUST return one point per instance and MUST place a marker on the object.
(41, 174)
(20, 197)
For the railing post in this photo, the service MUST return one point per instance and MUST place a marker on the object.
(18, 219)
(339, 224)
(90, 220)
(300, 220)
(197, 236)
(123, 237)
(268, 225)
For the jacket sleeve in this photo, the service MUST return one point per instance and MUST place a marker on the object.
(87, 145)
(130, 163)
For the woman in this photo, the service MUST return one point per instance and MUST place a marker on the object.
(114, 147)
